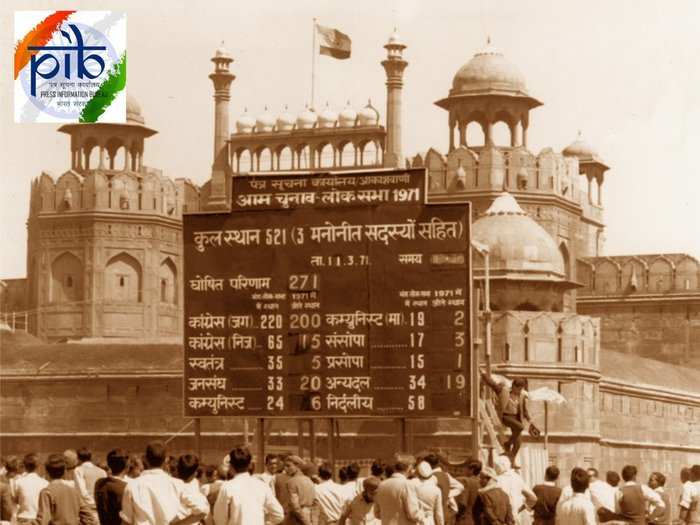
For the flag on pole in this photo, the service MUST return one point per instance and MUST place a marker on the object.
(333, 43)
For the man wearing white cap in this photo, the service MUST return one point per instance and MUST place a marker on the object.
(429, 495)
(520, 495)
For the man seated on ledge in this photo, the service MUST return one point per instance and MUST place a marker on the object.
(512, 409)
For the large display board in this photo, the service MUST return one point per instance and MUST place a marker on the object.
(329, 294)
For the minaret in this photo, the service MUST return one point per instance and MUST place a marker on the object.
(394, 66)
(222, 78)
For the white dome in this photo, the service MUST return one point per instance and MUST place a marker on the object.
(245, 123)
(286, 121)
(368, 115)
(327, 118)
(347, 117)
(265, 122)
(306, 119)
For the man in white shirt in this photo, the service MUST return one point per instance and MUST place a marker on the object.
(331, 497)
(396, 502)
(578, 509)
(245, 500)
(597, 488)
(520, 495)
(156, 498)
(28, 488)
(271, 468)
(690, 498)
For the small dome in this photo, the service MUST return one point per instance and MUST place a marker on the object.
(221, 52)
(245, 123)
(265, 122)
(133, 110)
(580, 148)
(518, 246)
(347, 117)
(395, 39)
(327, 118)
(368, 115)
(489, 71)
(306, 119)
(286, 121)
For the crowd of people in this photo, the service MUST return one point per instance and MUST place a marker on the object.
(158, 489)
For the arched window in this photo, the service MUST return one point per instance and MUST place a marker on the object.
(475, 134)
(326, 156)
(244, 162)
(168, 282)
(347, 155)
(370, 154)
(123, 279)
(284, 159)
(264, 160)
(66, 279)
(500, 134)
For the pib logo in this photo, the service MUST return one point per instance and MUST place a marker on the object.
(70, 66)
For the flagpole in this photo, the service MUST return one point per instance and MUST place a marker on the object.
(314, 52)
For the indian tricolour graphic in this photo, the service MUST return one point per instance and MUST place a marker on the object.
(70, 66)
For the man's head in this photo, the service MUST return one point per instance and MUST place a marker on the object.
(117, 460)
(685, 474)
(502, 464)
(629, 473)
(486, 475)
(551, 473)
(30, 462)
(656, 480)
(518, 385)
(695, 473)
(211, 473)
(432, 459)
(240, 458)
(369, 488)
(71, 458)
(474, 467)
(592, 474)
(353, 471)
(325, 471)
(271, 463)
(612, 478)
(135, 466)
(292, 464)
(403, 462)
(55, 466)
(156, 453)
(12, 466)
(579, 480)
(377, 468)
(84, 455)
(343, 474)
(187, 466)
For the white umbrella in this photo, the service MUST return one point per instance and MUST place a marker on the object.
(547, 395)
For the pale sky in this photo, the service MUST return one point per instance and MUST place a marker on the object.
(625, 73)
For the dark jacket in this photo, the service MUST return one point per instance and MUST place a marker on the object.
(467, 499)
(546, 505)
(492, 507)
(108, 499)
